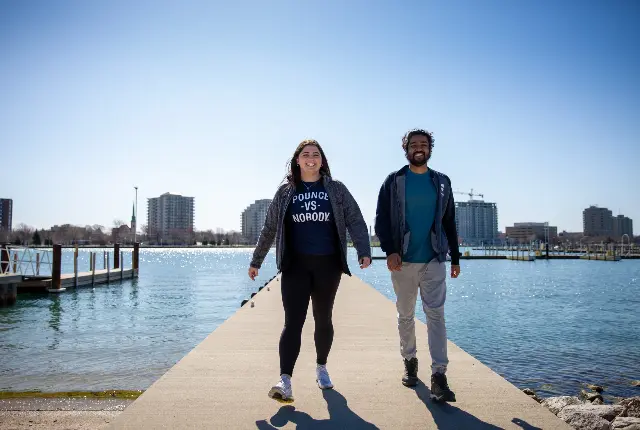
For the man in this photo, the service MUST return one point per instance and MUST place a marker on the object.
(416, 225)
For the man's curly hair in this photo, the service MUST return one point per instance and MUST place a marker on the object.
(417, 132)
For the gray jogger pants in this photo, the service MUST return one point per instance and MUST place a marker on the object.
(430, 279)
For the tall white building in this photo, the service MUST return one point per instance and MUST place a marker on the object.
(477, 222)
(252, 219)
(170, 218)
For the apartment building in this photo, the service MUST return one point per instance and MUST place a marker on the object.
(6, 214)
(170, 219)
(477, 222)
(252, 219)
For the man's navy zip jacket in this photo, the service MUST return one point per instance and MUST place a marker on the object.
(390, 223)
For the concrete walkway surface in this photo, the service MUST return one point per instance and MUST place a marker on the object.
(223, 382)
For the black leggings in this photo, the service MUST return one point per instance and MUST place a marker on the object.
(314, 277)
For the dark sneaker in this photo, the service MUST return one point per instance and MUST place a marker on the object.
(410, 378)
(440, 389)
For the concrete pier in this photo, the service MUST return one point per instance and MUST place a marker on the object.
(223, 382)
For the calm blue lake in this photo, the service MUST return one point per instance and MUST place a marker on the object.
(548, 325)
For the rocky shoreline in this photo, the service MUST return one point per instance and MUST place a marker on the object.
(588, 411)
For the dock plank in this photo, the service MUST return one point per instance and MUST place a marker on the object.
(223, 382)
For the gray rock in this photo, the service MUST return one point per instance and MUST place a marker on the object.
(631, 407)
(529, 392)
(607, 412)
(598, 402)
(590, 397)
(626, 423)
(583, 420)
(556, 404)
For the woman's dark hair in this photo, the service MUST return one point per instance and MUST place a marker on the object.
(293, 176)
(417, 132)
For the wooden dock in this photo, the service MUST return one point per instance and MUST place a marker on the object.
(601, 257)
(223, 382)
(521, 257)
(57, 281)
(33, 284)
(539, 257)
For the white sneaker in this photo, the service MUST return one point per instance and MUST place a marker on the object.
(322, 377)
(282, 390)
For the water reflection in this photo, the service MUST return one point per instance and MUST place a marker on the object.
(55, 315)
(133, 294)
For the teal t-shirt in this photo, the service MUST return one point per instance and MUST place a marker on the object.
(420, 212)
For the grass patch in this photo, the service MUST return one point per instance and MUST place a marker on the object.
(108, 394)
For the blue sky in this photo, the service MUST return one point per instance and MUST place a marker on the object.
(534, 104)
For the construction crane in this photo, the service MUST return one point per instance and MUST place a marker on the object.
(470, 194)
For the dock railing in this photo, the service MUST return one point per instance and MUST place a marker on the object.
(47, 262)
(25, 261)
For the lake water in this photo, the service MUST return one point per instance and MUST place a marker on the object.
(548, 325)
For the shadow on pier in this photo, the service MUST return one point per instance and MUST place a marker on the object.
(340, 416)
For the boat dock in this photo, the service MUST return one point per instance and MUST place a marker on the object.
(31, 270)
(542, 256)
(223, 382)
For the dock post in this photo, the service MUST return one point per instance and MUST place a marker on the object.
(4, 259)
(136, 258)
(75, 266)
(15, 263)
(37, 264)
(104, 260)
(56, 267)
(121, 265)
(108, 268)
(90, 261)
(93, 270)
(116, 255)
(75, 269)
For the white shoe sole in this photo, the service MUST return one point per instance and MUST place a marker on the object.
(324, 387)
(277, 394)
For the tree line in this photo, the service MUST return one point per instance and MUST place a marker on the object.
(99, 235)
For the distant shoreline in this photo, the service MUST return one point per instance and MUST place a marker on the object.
(159, 246)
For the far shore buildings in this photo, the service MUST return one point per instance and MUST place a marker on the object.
(170, 219)
(252, 219)
(6, 214)
(524, 232)
(477, 222)
(600, 222)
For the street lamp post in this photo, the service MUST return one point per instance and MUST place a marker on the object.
(135, 230)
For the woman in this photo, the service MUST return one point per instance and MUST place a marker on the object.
(308, 218)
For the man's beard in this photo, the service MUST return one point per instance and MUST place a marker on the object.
(422, 161)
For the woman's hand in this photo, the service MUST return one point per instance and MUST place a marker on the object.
(253, 272)
(365, 262)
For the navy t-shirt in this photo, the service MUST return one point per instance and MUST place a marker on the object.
(311, 228)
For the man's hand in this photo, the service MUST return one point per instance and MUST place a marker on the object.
(365, 262)
(253, 272)
(455, 270)
(394, 263)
